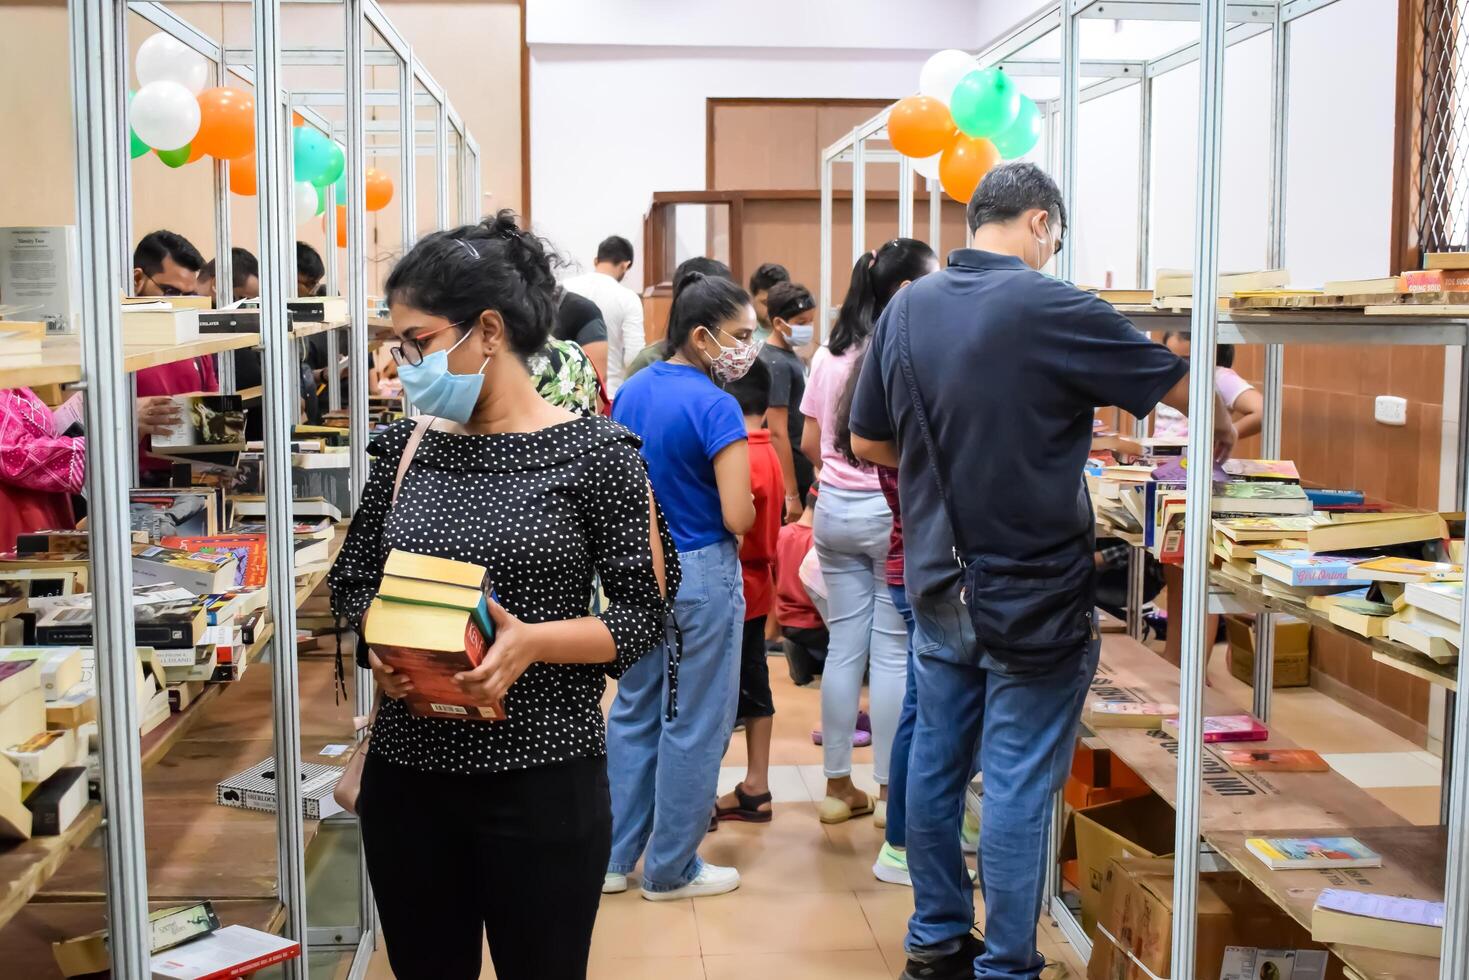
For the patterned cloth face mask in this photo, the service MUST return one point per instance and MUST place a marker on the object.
(733, 363)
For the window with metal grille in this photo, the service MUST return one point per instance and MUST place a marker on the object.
(1443, 127)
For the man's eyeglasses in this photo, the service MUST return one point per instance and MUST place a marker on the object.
(409, 350)
(166, 289)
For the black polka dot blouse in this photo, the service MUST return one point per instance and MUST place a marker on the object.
(542, 511)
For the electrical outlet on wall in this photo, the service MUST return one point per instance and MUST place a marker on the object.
(1391, 410)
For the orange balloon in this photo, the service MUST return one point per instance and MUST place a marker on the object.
(242, 175)
(379, 189)
(226, 123)
(964, 165)
(341, 225)
(920, 126)
(297, 119)
(195, 152)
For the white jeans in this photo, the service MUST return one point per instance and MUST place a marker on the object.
(851, 537)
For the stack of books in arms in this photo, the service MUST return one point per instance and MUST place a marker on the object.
(431, 621)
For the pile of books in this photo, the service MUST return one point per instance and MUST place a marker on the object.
(20, 342)
(46, 732)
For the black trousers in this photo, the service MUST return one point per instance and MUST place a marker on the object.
(517, 857)
(755, 700)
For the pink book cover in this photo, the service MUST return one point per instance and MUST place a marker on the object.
(1228, 728)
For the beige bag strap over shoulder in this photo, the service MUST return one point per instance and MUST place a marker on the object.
(421, 424)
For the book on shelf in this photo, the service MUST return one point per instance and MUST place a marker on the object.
(157, 710)
(1361, 616)
(184, 693)
(1129, 714)
(1407, 570)
(1180, 282)
(22, 344)
(302, 508)
(254, 789)
(184, 664)
(1274, 760)
(1416, 281)
(167, 928)
(1442, 599)
(1391, 922)
(1240, 569)
(248, 550)
(1361, 287)
(42, 754)
(1255, 497)
(29, 543)
(1446, 260)
(172, 512)
(15, 819)
(173, 625)
(1433, 636)
(1312, 853)
(317, 309)
(207, 423)
(1323, 498)
(1253, 529)
(58, 668)
(72, 709)
(200, 573)
(1299, 593)
(23, 717)
(329, 435)
(319, 528)
(40, 272)
(1304, 568)
(1356, 532)
(1262, 469)
(21, 578)
(158, 325)
(1254, 963)
(58, 801)
(18, 677)
(233, 951)
(1225, 728)
(230, 320)
(143, 595)
(1126, 297)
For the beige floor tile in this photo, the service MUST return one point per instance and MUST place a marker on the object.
(630, 926)
(789, 854)
(786, 784)
(1373, 770)
(648, 968)
(887, 913)
(1416, 804)
(826, 965)
(769, 922)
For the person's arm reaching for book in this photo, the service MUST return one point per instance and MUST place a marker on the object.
(629, 544)
(32, 455)
(1224, 431)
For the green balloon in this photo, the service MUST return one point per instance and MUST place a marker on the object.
(336, 166)
(175, 158)
(136, 147)
(311, 154)
(984, 103)
(1017, 139)
(321, 200)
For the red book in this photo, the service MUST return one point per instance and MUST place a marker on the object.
(1434, 281)
(430, 644)
(1226, 728)
(249, 549)
(234, 951)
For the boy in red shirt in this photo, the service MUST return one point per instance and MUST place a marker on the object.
(750, 799)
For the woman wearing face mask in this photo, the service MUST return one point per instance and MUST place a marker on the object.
(664, 764)
(792, 325)
(853, 525)
(499, 830)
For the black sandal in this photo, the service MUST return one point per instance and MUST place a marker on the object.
(749, 807)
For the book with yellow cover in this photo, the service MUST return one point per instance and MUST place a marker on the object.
(1390, 569)
(1351, 532)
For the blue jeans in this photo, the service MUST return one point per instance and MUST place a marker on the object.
(664, 774)
(1025, 727)
(851, 534)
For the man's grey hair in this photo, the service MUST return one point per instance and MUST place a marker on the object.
(1011, 189)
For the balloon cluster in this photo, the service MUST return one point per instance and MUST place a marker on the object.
(963, 121)
(180, 121)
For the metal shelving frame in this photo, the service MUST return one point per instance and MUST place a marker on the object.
(1222, 23)
(100, 70)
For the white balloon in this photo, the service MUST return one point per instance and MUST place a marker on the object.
(163, 58)
(927, 166)
(165, 115)
(942, 72)
(304, 195)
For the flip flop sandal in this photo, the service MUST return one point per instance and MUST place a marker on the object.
(749, 807)
(834, 810)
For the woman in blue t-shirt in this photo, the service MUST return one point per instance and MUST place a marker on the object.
(662, 760)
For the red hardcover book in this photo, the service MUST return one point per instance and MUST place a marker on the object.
(430, 644)
(249, 549)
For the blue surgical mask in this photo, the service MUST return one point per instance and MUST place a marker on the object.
(801, 333)
(435, 390)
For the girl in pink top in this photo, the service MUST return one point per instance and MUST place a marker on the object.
(1245, 403)
(852, 527)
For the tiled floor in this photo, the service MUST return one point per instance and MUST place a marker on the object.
(809, 907)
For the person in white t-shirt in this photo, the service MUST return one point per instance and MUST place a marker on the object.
(622, 309)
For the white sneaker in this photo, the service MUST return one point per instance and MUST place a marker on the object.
(614, 883)
(711, 880)
(891, 866)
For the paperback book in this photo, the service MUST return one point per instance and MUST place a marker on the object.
(1390, 922)
(1129, 714)
(1262, 469)
(1312, 853)
(1274, 760)
(1304, 568)
(207, 422)
(1225, 728)
(1256, 497)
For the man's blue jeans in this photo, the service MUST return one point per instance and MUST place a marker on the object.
(1025, 727)
(664, 774)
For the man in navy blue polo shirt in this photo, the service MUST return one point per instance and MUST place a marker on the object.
(1009, 366)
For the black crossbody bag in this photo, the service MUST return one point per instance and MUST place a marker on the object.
(1028, 615)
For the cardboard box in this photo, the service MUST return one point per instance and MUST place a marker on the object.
(1292, 650)
(1098, 777)
(1141, 827)
(1134, 937)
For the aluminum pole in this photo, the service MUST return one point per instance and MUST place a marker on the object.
(329, 245)
(407, 164)
(905, 198)
(280, 372)
(1144, 182)
(1070, 107)
(859, 198)
(441, 165)
(224, 259)
(1454, 961)
(125, 186)
(98, 81)
(828, 230)
(1203, 329)
(935, 217)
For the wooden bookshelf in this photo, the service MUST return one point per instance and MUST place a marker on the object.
(1399, 656)
(61, 358)
(1237, 805)
(311, 329)
(25, 868)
